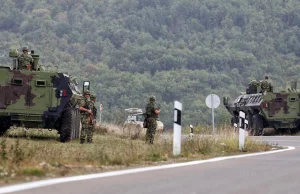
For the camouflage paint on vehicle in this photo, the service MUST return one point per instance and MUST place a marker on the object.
(39, 99)
(278, 111)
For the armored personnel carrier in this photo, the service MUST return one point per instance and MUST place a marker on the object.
(267, 112)
(34, 98)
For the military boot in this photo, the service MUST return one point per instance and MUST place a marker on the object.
(151, 141)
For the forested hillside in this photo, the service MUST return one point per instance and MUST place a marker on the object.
(175, 49)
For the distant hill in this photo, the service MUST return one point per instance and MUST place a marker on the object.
(177, 50)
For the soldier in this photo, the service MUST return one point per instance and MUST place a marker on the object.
(86, 112)
(152, 111)
(254, 87)
(266, 85)
(94, 110)
(25, 60)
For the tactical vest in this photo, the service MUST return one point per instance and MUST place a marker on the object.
(265, 86)
(150, 110)
(87, 105)
(24, 60)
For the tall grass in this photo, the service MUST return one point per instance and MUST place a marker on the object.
(40, 154)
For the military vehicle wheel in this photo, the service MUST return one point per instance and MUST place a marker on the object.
(66, 125)
(77, 124)
(69, 126)
(4, 125)
(257, 125)
(249, 118)
(74, 124)
(3, 130)
(234, 120)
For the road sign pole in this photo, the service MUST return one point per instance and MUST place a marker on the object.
(212, 101)
(177, 128)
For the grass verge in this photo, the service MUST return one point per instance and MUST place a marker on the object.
(32, 155)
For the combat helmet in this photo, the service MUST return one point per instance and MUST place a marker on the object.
(25, 48)
(254, 82)
(152, 98)
(93, 96)
(86, 92)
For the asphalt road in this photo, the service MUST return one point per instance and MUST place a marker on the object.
(272, 173)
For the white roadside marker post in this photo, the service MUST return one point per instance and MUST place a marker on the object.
(235, 128)
(177, 128)
(191, 131)
(243, 126)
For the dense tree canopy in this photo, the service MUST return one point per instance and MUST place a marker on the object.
(177, 50)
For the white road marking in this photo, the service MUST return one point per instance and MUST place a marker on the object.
(271, 140)
(43, 183)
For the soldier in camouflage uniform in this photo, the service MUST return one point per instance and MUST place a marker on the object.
(25, 60)
(87, 118)
(152, 111)
(94, 110)
(254, 87)
(266, 85)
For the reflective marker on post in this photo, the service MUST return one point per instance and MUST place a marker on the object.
(235, 127)
(191, 131)
(242, 118)
(242, 124)
(177, 128)
(245, 127)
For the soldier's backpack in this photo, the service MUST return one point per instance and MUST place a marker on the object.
(265, 86)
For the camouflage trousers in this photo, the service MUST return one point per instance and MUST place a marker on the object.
(87, 129)
(152, 125)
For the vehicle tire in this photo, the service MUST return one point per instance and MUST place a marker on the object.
(74, 124)
(257, 125)
(77, 124)
(234, 119)
(68, 125)
(249, 118)
(3, 130)
(4, 125)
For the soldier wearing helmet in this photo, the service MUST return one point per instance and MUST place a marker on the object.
(87, 118)
(266, 85)
(254, 87)
(152, 111)
(93, 98)
(25, 60)
(87, 94)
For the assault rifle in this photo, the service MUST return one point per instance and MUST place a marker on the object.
(93, 116)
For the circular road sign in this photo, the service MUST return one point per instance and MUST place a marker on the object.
(212, 101)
